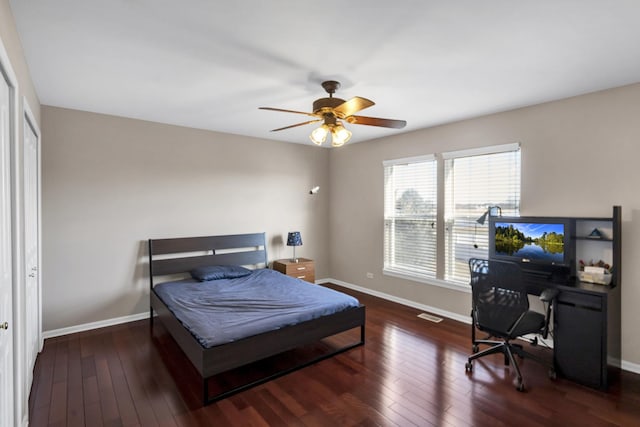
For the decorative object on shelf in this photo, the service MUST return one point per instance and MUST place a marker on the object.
(599, 272)
(294, 239)
(595, 277)
(595, 234)
(600, 264)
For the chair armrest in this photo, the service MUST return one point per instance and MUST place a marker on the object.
(549, 294)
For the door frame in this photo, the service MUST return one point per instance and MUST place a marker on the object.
(16, 258)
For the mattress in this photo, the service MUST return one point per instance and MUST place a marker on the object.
(221, 311)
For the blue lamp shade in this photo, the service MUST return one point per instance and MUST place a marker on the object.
(294, 239)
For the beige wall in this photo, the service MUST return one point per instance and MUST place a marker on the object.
(580, 156)
(110, 183)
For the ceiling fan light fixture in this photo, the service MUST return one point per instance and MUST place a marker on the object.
(339, 135)
(319, 135)
(331, 110)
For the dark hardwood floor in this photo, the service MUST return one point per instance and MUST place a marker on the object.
(409, 372)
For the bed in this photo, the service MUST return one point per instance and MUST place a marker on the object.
(212, 344)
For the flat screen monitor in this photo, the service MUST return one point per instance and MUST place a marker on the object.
(534, 240)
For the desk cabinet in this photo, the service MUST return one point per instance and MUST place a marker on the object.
(303, 269)
(587, 333)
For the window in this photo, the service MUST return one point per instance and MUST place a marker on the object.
(410, 211)
(430, 218)
(474, 180)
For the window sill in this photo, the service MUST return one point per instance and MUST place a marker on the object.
(461, 287)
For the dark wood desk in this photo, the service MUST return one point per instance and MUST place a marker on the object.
(586, 316)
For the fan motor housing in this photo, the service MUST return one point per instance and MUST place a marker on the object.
(324, 104)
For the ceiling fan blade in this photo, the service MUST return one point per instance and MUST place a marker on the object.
(374, 121)
(296, 125)
(355, 104)
(287, 111)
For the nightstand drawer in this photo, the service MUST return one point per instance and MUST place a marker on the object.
(308, 277)
(304, 269)
(299, 268)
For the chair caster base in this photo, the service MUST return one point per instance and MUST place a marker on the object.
(519, 385)
(468, 367)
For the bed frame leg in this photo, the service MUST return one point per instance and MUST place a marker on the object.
(362, 333)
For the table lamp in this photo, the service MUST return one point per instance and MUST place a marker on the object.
(294, 239)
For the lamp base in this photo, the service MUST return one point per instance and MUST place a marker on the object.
(294, 260)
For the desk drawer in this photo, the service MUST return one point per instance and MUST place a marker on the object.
(593, 302)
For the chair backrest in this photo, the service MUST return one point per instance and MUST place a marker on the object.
(499, 294)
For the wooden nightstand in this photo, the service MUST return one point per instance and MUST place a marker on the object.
(304, 269)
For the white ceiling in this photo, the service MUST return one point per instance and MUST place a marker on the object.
(211, 64)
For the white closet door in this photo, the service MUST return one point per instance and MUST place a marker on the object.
(6, 315)
(31, 248)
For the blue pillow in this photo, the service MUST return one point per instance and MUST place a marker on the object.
(215, 272)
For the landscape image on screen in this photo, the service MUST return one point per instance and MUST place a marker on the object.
(536, 242)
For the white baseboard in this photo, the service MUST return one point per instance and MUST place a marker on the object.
(94, 325)
(624, 365)
(393, 298)
(631, 367)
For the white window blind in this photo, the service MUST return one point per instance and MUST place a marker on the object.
(410, 213)
(474, 181)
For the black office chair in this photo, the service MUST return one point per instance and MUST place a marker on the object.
(500, 308)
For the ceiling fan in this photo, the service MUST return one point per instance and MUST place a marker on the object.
(332, 110)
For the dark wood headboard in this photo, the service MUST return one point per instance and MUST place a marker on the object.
(236, 249)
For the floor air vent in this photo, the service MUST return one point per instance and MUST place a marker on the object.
(430, 317)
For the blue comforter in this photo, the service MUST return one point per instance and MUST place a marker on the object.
(221, 311)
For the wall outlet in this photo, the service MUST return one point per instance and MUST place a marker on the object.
(369, 275)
